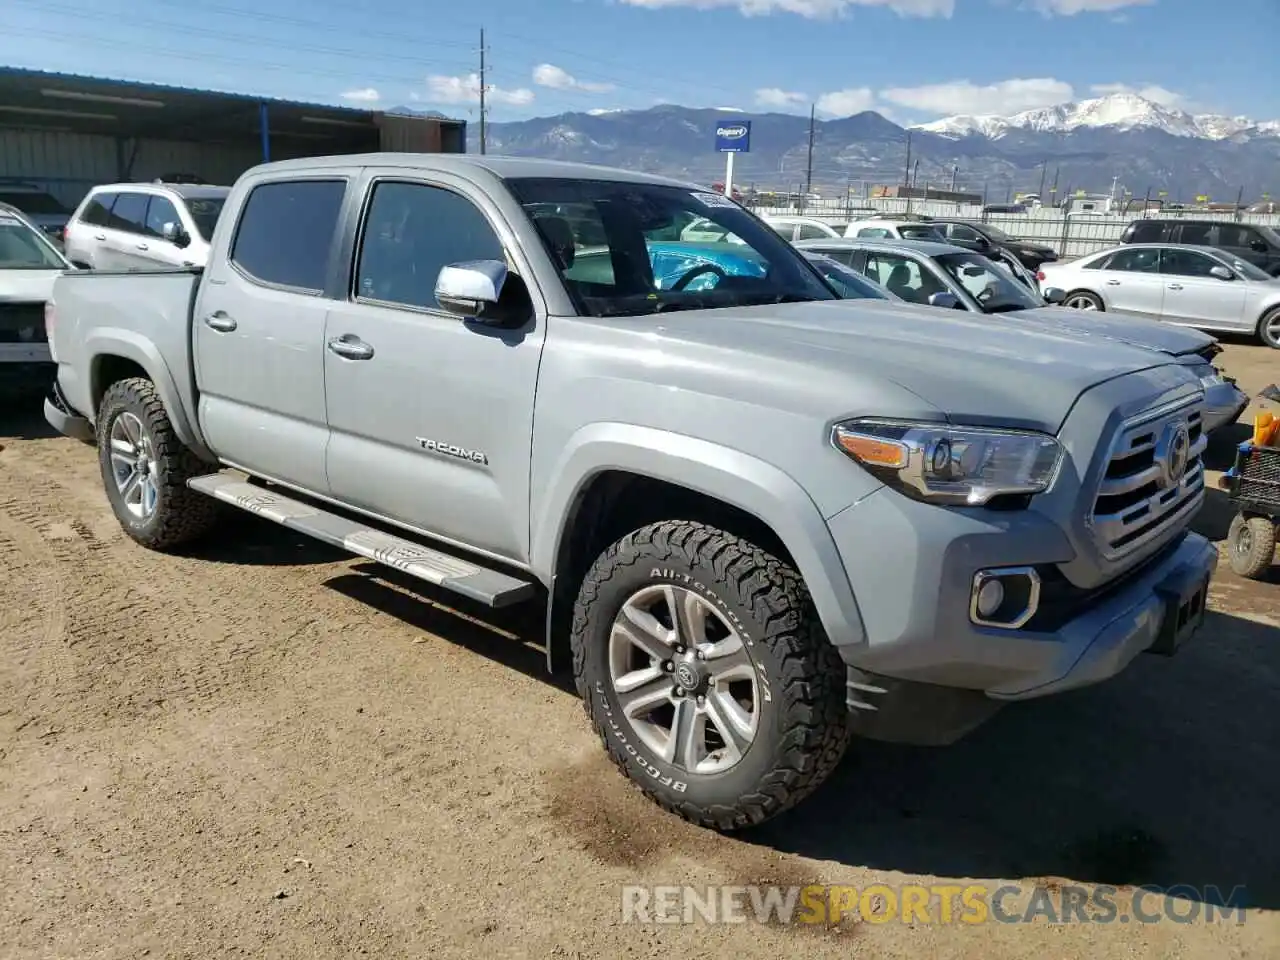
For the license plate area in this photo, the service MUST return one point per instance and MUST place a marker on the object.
(1185, 600)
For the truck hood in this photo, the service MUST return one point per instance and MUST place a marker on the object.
(1113, 327)
(964, 366)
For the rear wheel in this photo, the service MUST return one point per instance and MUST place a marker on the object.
(145, 468)
(1251, 545)
(1269, 328)
(704, 669)
(1083, 300)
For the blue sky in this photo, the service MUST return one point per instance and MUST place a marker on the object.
(914, 60)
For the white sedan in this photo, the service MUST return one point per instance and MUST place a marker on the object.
(1193, 286)
(29, 264)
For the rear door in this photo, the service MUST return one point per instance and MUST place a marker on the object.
(1130, 280)
(1194, 297)
(125, 246)
(87, 231)
(259, 330)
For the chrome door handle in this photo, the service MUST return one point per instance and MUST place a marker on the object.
(99, 236)
(220, 322)
(1113, 283)
(351, 347)
(143, 246)
(1175, 286)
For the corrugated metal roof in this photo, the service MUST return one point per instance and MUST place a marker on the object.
(159, 88)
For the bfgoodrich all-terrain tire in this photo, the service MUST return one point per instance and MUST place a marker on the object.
(704, 669)
(1251, 545)
(145, 468)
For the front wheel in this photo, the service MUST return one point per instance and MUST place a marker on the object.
(1269, 329)
(703, 667)
(1083, 300)
(1251, 545)
(145, 468)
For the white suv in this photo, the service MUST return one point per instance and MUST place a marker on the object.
(137, 226)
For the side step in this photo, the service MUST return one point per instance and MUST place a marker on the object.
(441, 569)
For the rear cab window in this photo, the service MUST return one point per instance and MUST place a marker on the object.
(284, 237)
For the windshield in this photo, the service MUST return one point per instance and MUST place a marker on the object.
(995, 232)
(22, 248)
(921, 231)
(204, 213)
(1248, 270)
(848, 282)
(995, 289)
(1272, 236)
(624, 249)
(31, 202)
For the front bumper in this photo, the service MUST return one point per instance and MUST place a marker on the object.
(1223, 404)
(915, 591)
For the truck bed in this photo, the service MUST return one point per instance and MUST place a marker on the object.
(139, 316)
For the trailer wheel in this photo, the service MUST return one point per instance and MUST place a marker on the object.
(1251, 545)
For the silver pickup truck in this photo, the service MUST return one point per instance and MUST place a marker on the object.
(761, 518)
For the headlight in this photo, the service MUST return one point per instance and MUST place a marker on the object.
(942, 463)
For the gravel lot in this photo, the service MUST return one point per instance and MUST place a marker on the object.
(268, 748)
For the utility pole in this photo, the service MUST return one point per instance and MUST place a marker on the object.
(808, 174)
(1053, 191)
(915, 173)
(482, 91)
(906, 173)
(955, 168)
(1044, 169)
(1239, 204)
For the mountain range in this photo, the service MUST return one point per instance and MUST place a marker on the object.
(1120, 139)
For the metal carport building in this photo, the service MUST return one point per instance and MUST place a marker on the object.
(67, 133)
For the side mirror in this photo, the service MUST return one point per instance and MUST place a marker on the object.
(1053, 294)
(983, 243)
(174, 233)
(471, 288)
(1259, 246)
(1222, 273)
(948, 301)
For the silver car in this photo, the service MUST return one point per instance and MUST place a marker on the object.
(945, 275)
(1194, 286)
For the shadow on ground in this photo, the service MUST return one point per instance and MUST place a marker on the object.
(22, 393)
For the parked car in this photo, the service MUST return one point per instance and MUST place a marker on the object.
(1196, 286)
(132, 226)
(39, 207)
(880, 229)
(1253, 243)
(985, 238)
(761, 516)
(944, 275)
(800, 228)
(29, 264)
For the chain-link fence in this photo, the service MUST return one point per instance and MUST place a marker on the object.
(1071, 234)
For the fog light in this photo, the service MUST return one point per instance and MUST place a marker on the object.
(990, 596)
(1005, 597)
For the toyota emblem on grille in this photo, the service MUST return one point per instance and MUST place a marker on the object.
(1173, 451)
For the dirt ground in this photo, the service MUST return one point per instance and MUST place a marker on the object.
(266, 748)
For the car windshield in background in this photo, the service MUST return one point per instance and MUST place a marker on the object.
(995, 290)
(911, 232)
(995, 232)
(848, 282)
(627, 249)
(205, 212)
(1248, 270)
(33, 203)
(22, 248)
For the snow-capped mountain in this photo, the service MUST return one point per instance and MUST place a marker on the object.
(1118, 111)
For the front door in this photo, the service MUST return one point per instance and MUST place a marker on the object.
(430, 416)
(259, 332)
(1195, 297)
(1131, 281)
(124, 245)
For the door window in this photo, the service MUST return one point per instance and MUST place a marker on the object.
(1145, 231)
(286, 231)
(903, 277)
(873, 233)
(1196, 233)
(958, 231)
(159, 212)
(1186, 263)
(1135, 261)
(98, 211)
(412, 231)
(809, 232)
(129, 212)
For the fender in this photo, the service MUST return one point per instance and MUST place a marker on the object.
(737, 478)
(116, 341)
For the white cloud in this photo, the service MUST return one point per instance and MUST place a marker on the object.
(812, 9)
(1069, 8)
(845, 103)
(363, 95)
(549, 75)
(778, 99)
(962, 96)
(731, 110)
(443, 89)
(1150, 91)
(604, 111)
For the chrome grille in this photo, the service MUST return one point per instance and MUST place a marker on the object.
(1137, 501)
